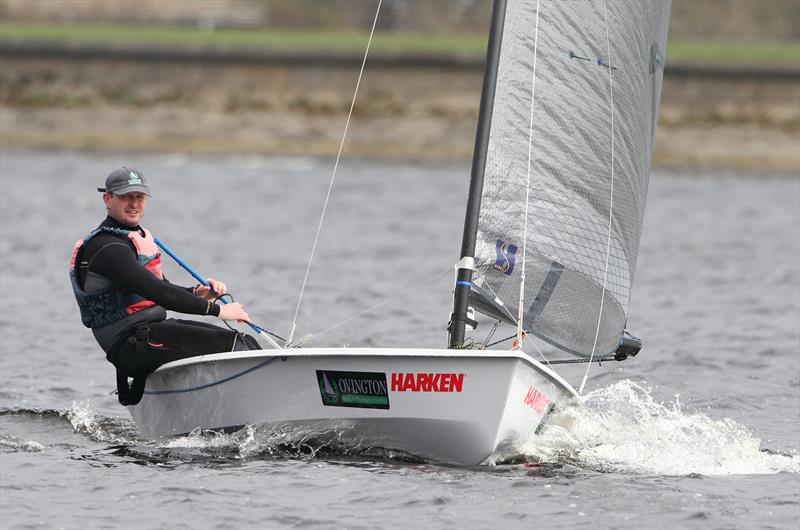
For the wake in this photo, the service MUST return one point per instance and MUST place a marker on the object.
(621, 428)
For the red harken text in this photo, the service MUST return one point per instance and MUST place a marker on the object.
(410, 382)
(536, 400)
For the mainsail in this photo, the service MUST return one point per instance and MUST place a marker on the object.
(571, 141)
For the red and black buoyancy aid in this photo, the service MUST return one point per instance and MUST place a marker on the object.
(101, 301)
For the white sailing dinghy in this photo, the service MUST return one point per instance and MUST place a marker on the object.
(557, 194)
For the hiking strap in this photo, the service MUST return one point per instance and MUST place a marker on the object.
(132, 394)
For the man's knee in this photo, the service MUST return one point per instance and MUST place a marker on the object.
(135, 361)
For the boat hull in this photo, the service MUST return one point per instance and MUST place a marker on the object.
(444, 405)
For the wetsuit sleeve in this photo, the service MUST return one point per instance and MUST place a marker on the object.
(117, 262)
(189, 289)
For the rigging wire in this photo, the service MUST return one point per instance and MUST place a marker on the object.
(610, 206)
(376, 306)
(333, 176)
(490, 335)
(549, 362)
(541, 354)
(495, 343)
(520, 333)
(485, 283)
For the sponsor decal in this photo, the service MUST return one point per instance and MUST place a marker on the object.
(133, 178)
(366, 390)
(536, 400)
(506, 256)
(426, 382)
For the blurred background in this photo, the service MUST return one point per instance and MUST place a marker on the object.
(277, 76)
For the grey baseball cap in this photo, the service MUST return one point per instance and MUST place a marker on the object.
(126, 180)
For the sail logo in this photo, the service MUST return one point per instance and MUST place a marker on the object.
(330, 394)
(366, 390)
(133, 178)
(427, 382)
(506, 257)
(536, 400)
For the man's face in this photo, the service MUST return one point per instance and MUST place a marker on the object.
(127, 209)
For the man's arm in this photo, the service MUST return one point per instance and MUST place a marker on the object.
(117, 262)
(190, 290)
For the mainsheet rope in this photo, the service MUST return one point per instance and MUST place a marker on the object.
(333, 177)
(611, 203)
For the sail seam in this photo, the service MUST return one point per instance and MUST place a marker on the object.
(333, 176)
(528, 185)
(610, 206)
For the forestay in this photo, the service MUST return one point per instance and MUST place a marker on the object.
(599, 66)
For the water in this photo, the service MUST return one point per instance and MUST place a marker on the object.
(701, 430)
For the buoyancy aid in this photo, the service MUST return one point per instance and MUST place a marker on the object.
(101, 301)
(113, 312)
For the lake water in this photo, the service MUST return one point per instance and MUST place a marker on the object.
(701, 430)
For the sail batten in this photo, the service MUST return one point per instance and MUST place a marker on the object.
(548, 186)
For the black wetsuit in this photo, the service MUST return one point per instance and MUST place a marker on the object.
(149, 346)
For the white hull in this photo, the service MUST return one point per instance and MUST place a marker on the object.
(455, 406)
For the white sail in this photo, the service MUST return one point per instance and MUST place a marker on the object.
(594, 102)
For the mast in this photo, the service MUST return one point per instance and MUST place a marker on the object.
(467, 263)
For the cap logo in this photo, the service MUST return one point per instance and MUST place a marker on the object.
(134, 178)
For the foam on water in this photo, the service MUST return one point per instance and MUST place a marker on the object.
(99, 428)
(242, 442)
(279, 441)
(621, 428)
(14, 444)
(82, 418)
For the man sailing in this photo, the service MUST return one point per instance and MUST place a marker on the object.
(123, 295)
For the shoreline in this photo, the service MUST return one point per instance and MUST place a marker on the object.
(744, 148)
(102, 101)
(685, 170)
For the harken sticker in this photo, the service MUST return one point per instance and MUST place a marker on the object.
(536, 400)
(426, 382)
(366, 390)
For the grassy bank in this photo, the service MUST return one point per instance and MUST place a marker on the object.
(265, 39)
(774, 54)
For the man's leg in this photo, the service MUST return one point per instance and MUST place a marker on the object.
(173, 339)
(161, 342)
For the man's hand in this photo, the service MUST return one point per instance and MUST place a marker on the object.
(207, 294)
(233, 311)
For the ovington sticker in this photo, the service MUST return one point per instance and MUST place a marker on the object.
(366, 390)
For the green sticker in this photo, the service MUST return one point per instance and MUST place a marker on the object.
(366, 390)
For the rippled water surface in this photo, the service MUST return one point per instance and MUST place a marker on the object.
(701, 430)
